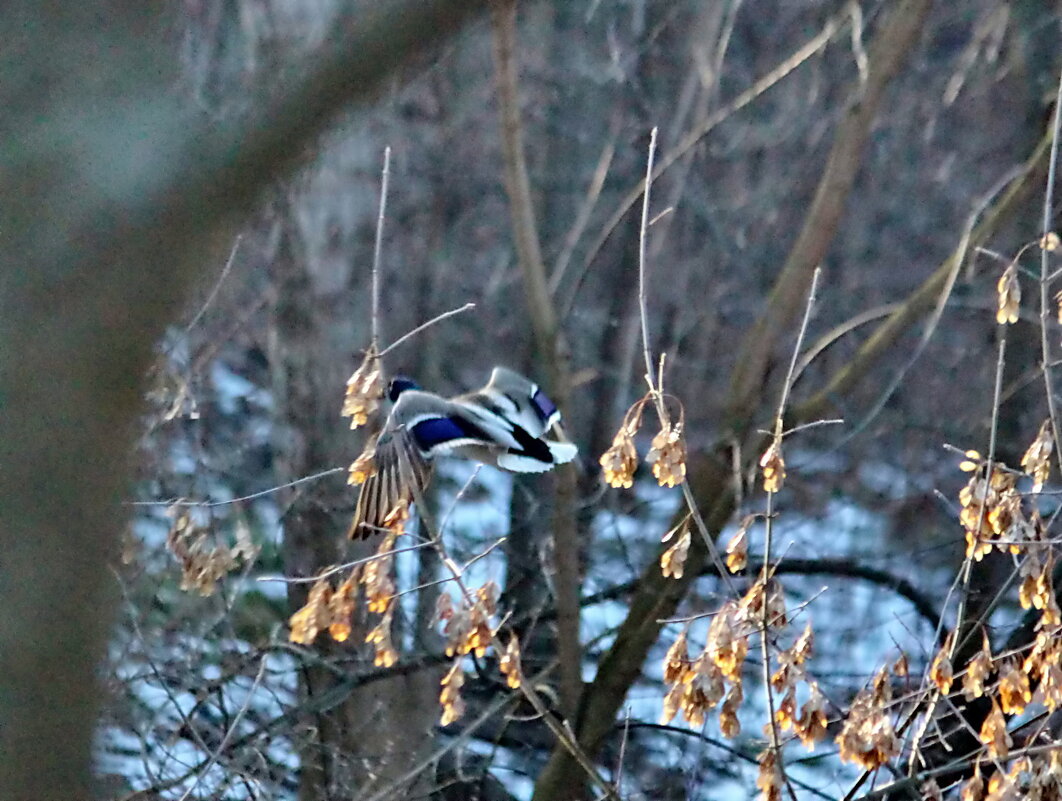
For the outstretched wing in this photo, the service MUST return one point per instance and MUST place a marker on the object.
(521, 400)
(402, 473)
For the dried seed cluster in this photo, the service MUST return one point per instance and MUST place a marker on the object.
(333, 609)
(773, 466)
(467, 629)
(991, 506)
(466, 625)
(203, 563)
(667, 454)
(673, 560)
(867, 737)
(714, 677)
(365, 390)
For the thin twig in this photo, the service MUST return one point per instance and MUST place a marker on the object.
(563, 734)
(437, 319)
(403, 781)
(242, 498)
(582, 218)
(956, 260)
(960, 632)
(791, 373)
(377, 249)
(654, 386)
(340, 568)
(216, 754)
(1045, 344)
(217, 285)
(814, 45)
(765, 575)
(641, 274)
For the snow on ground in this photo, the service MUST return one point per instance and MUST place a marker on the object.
(861, 625)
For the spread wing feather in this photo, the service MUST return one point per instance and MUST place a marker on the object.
(401, 473)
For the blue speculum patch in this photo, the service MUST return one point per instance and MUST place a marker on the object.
(544, 405)
(439, 430)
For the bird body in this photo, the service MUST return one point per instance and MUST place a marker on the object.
(502, 424)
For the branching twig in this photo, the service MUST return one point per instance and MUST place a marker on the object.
(217, 285)
(216, 753)
(376, 252)
(1045, 313)
(655, 391)
(563, 734)
(437, 319)
(261, 493)
(765, 574)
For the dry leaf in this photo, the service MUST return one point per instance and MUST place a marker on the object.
(773, 467)
(1009, 291)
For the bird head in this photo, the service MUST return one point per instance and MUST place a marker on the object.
(400, 384)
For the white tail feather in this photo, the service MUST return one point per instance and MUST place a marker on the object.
(522, 464)
(563, 452)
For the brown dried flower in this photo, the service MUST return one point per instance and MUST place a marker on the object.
(1037, 459)
(364, 391)
(990, 510)
(729, 724)
(1009, 291)
(769, 779)
(667, 455)
(509, 664)
(901, 667)
(868, 737)
(380, 637)
(941, 672)
(973, 789)
(1014, 690)
(1049, 691)
(773, 467)
(621, 459)
(786, 712)
(376, 576)
(727, 644)
(453, 705)
(202, 562)
(677, 661)
(341, 608)
(994, 733)
(702, 689)
(977, 671)
(673, 560)
(737, 550)
(313, 616)
(468, 628)
(811, 722)
(364, 466)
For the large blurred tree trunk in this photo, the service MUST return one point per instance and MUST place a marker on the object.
(113, 195)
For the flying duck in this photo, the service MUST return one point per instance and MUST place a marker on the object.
(502, 424)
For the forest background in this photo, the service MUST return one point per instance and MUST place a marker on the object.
(846, 201)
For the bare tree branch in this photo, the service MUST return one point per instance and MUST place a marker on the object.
(888, 52)
(549, 344)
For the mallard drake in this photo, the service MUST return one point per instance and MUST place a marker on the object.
(502, 424)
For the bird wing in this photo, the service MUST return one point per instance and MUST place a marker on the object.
(527, 404)
(402, 473)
